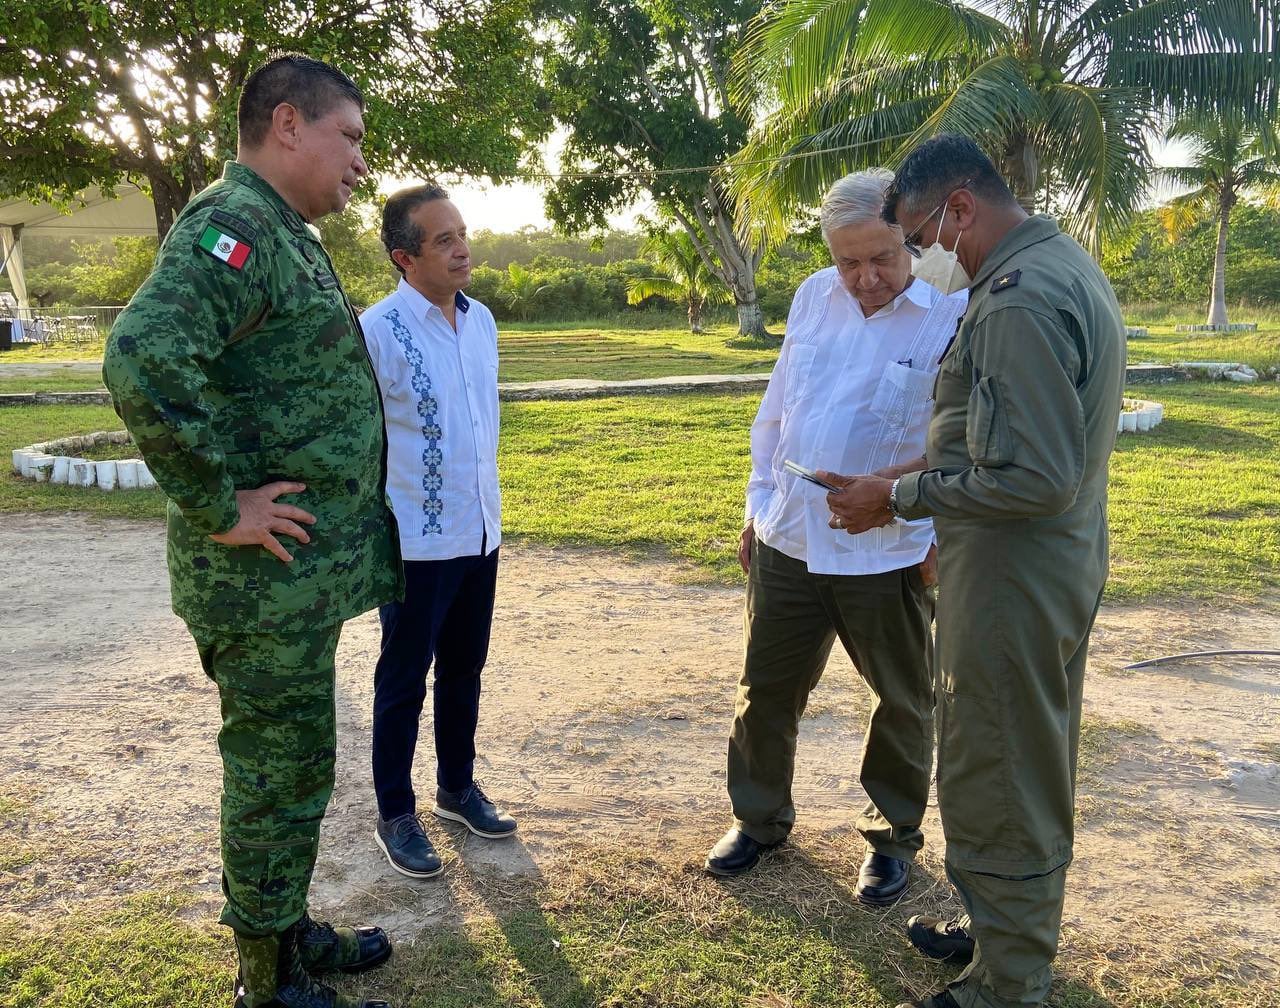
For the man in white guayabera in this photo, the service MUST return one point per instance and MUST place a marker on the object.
(850, 392)
(436, 355)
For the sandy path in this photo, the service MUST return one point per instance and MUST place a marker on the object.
(607, 700)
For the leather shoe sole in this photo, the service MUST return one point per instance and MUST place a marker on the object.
(458, 817)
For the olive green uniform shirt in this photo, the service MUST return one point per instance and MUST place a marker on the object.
(240, 362)
(1027, 400)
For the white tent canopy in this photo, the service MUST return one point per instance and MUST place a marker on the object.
(92, 214)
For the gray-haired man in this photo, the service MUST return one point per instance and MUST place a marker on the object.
(851, 387)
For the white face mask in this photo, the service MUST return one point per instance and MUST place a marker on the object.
(940, 268)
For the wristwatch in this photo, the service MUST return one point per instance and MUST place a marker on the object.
(893, 499)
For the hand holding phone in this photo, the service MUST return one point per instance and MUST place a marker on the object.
(795, 468)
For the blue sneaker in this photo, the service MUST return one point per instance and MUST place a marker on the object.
(407, 848)
(475, 811)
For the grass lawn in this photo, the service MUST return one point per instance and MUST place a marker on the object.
(1195, 504)
(1260, 350)
(605, 928)
(526, 353)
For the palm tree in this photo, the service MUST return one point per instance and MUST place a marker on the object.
(688, 279)
(1065, 95)
(1228, 160)
(519, 291)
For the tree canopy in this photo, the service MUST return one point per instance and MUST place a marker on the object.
(1064, 95)
(642, 88)
(101, 90)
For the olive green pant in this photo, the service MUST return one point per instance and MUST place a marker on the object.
(1017, 607)
(278, 742)
(792, 619)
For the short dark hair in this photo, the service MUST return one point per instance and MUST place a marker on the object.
(309, 85)
(939, 166)
(399, 231)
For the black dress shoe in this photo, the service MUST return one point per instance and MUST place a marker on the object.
(882, 879)
(406, 846)
(941, 939)
(736, 853)
(942, 999)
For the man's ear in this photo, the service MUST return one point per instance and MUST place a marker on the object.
(962, 208)
(286, 121)
(402, 259)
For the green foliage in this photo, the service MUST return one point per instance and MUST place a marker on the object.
(1144, 265)
(530, 243)
(1063, 95)
(97, 90)
(686, 279)
(521, 291)
(114, 280)
(642, 88)
(353, 244)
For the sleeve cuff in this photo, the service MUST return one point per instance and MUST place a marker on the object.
(910, 503)
(215, 518)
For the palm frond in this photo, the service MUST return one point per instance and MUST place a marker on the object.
(1095, 140)
(795, 47)
(1175, 26)
(1180, 215)
(927, 28)
(640, 288)
(1206, 82)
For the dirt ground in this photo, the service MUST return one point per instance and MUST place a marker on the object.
(607, 701)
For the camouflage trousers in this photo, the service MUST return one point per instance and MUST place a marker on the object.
(277, 741)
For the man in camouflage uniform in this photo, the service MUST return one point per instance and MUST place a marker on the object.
(1015, 479)
(240, 371)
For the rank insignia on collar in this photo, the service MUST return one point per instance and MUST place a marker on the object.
(1005, 282)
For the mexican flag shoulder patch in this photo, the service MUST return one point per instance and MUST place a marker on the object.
(221, 245)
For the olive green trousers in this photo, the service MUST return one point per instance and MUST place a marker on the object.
(1018, 604)
(792, 620)
(278, 742)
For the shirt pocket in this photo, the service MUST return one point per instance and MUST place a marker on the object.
(799, 367)
(902, 397)
(987, 430)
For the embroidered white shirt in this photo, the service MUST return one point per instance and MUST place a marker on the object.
(851, 395)
(440, 396)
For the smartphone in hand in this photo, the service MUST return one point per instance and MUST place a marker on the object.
(797, 469)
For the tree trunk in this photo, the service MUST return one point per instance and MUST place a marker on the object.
(726, 256)
(1218, 289)
(751, 320)
(168, 199)
(1021, 169)
(695, 315)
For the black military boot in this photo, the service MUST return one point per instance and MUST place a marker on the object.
(324, 947)
(272, 976)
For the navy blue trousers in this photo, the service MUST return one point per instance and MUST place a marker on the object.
(445, 618)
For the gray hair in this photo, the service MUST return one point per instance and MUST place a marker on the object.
(854, 199)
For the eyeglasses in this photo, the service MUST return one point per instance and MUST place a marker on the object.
(912, 241)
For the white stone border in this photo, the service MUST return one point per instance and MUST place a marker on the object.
(53, 462)
(1138, 416)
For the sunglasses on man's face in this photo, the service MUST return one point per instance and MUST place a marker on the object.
(912, 241)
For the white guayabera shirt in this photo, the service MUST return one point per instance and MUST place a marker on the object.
(851, 395)
(440, 395)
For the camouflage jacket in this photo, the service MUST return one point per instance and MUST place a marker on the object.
(240, 362)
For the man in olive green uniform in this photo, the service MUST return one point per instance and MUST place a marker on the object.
(1015, 479)
(241, 373)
